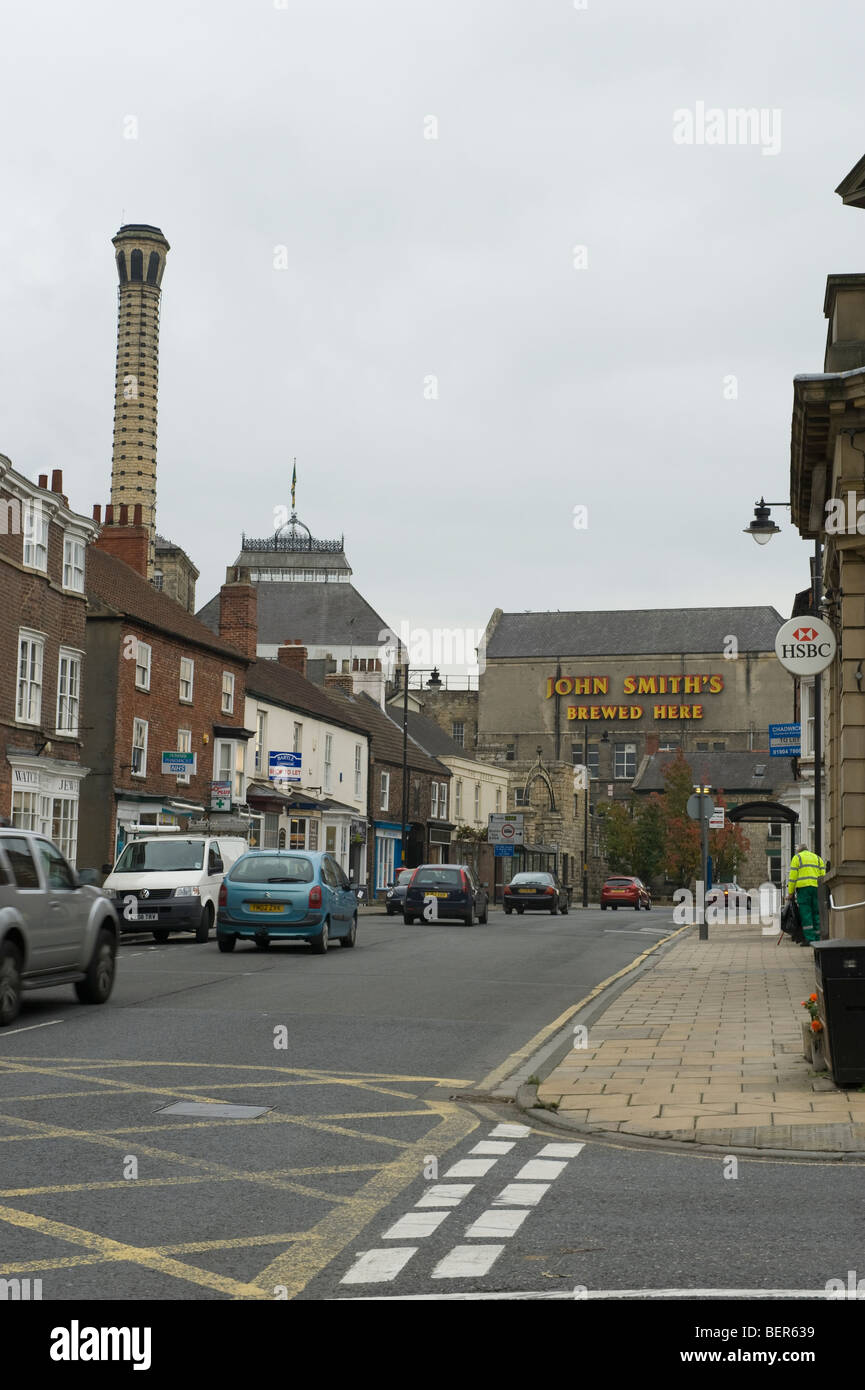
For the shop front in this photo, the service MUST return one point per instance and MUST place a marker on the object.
(45, 795)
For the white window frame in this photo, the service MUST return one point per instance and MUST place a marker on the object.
(142, 681)
(228, 692)
(477, 801)
(231, 768)
(434, 801)
(260, 739)
(458, 799)
(137, 726)
(184, 745)
(28, 679)
(498, 800)
(69, 690)
(358, 771)
(443, 801)
(34, 524)
(297, 739)
(629, 753)
(74, 552)
(187, 680)
(384, 798)
(328, 763)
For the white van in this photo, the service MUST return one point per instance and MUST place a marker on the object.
(165, 883)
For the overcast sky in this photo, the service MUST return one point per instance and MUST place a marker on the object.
(565, 378)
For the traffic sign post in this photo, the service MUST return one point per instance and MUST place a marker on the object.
(505, 829)
(701, 807)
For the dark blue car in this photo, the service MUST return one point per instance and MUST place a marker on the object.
(286, 895)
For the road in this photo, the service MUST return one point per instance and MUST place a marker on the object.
(352, 1066)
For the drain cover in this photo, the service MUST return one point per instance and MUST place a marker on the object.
(214, 1110)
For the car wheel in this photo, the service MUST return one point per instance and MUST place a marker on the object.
(407, 919)
(202, 931)
(603, 907)
(486, 915)
(321, 942)
(563, 907)
(615, 906)
(390, 911)
(520, 911)
(648, 907)
(351, 938)
(98, 983)
(262, 943)
(226, 943)
(470, 916)
(554, 908)
(508, 911)
(161, 934)
(637, 905)
(10, 983)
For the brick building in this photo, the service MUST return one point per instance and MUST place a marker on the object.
(43, 556)
(156, 680)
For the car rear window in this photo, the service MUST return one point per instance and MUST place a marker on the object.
(21, 862)
(545, 879)
(273, 868)
(438, 878)
(620, 883)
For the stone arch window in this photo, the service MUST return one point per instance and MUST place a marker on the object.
(121, 267)
(539, 774)
(153, 268)
(136, 265)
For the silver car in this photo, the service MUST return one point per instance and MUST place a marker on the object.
(54, 930)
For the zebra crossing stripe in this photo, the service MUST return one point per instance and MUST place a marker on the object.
(415, 1225)
(379, 1266)
(560, 1150)
(467, 1262)
(493, 1225)
(494, 1147)
(471, 1168)
(510, 1132)
(521, 1194)
(445, 1194)
(541, 1168)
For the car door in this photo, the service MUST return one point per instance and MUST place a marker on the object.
(66, 903)
(44, 931)
(330, 880)
(214, 867)
(349, 901)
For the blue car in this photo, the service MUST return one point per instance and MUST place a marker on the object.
(286, 895)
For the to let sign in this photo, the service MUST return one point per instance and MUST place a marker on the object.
(284, 767)
(785, 740)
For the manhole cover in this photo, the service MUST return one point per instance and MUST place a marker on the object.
(214, 1110)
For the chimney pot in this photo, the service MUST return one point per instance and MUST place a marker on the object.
(109, 514)
(97, 512)
(57, 480)
(43, 480)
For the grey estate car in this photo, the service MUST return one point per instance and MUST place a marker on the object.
(54, 930)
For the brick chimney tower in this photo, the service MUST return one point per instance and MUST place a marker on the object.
(140, 254)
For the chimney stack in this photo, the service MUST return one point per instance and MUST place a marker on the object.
(238, 617)
(128, 543)
(140, 253)
(292, 653)
(339, 680)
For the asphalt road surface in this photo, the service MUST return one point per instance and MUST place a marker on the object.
(351, 1066)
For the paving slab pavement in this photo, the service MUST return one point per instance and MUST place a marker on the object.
(707, 1047)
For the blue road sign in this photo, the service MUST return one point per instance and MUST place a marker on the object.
(503, 851)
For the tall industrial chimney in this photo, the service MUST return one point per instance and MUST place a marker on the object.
(141, 253)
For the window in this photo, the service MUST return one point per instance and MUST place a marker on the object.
(31, 647)
(184, 745)
(458, 799)
(73, 564)
(139, 748)
(343, 843)
(227, 693)
(330, 839)
(328, 762)
(443, 801)
(21, 861)
(718, 747)
(54, 866)
(297, 746)
(808, 719)
(510, 752)
(297, 833)
(260, 739)
(157, 579)
(384, 855)
(434, 795)
(458, 732)
(498, 798)
(357, 770)
(625, 764)
(187, 675)
(313, 834)
(142, 666)
(477, 800)
(228, 766)
(520, 797)
(385, 791)
(68, 691)
(35, 528)
(594, 757)
(30, 811)
(702, 747)
(64, 825)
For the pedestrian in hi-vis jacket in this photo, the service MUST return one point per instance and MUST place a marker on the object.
(806, 870)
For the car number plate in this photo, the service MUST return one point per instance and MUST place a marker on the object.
(265, 907)
(525, 890)
(145, 917)
(436, 895)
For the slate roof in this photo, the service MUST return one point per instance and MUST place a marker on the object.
(633, 632)
(387, 735)
(318, 614)
(283, 686)
(114, 587)
(732, 771)
(431, 736)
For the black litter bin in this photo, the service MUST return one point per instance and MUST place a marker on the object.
(841, 999)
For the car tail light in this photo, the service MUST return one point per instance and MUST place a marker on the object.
(223, 896)
(465, 881)
(549, 890)
(315, 896)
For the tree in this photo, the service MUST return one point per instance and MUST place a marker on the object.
(635, 839)
(728, 847)
(618, 836)
(682, 834)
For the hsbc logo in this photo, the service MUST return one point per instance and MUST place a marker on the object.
(805, 646)
(805, 634)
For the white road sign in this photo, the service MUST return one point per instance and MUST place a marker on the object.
(505, 829)
(805, 646)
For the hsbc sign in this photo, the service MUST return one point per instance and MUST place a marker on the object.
(805, 646)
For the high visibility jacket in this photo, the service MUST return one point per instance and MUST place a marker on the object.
(806, 870)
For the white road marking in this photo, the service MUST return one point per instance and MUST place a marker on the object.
(31, 1026)
(379, 1266)
(510, 1132)
(493, 1225)
(471, 1168)
(593, 1294)
(560, 1150)
(445, 1194)
(521, 1194)
(487, 1146)
(467, 1262)
(540, 1168)
(415, 1225)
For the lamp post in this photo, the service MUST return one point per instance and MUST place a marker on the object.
(605, 738)
(762, 528)
(404, 823)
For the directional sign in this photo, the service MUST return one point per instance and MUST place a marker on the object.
(503, 851)
(505, 829)
(785, 740)
(805, 646)
(716, 820)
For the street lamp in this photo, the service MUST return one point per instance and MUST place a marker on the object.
(605, 738)
(762, 528)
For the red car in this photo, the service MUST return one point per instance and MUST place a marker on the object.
(625, 892)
